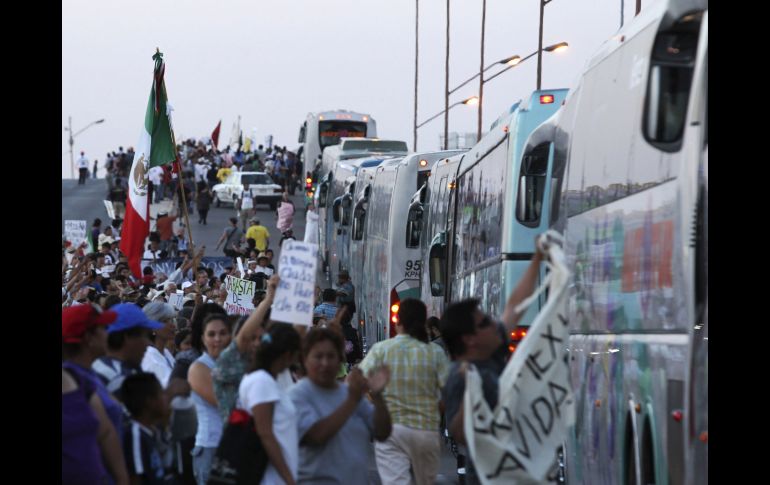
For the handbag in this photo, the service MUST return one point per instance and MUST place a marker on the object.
(240, 457)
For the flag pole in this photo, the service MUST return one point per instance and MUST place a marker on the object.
(181, 183)
(181, 191)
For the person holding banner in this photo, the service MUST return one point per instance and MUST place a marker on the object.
(474, 337)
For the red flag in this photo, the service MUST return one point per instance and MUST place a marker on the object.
(215, 135)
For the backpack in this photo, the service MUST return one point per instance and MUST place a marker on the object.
(353, 351)
(240, 457)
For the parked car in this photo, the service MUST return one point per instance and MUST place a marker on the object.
(264, 189)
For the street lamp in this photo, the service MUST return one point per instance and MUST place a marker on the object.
(471, 101)
(516, 60)
(72, 140)
(511, 62)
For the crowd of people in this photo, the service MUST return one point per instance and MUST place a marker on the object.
(149, 389)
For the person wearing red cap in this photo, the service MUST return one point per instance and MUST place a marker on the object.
(84, 339)
(89, 429)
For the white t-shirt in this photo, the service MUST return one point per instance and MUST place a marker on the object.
(247, 201)
(83, 162)
(156, 175)
(159, 364)
(257, 388)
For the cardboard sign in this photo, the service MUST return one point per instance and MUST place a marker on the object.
(240, 296)
(294, 296)
(75, 232)
(177, 300)
(110, 208)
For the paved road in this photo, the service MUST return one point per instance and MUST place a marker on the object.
(85, 202)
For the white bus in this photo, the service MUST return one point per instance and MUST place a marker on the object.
(495, 210)
(363, 190)
(328, 190)
(342, 212)
(326, 128)
(390, 252)
(632, 139)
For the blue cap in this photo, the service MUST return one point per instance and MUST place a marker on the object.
(131, 316)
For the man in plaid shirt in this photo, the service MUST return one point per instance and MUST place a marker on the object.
(418, 371)
(328, 307)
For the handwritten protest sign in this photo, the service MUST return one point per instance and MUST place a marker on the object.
(240, 296)
(517, 442)
(75, 232)
(110, 208)
(176, 300)
(294, 296)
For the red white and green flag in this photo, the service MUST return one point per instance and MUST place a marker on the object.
(156, 147)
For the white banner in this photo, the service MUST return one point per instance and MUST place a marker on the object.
(75, 232)
(518, 441)
(294, 296)
(240, 296)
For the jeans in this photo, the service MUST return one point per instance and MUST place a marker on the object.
(202, 460)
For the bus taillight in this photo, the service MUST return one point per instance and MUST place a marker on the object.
(546, 99)
(516, 337)
(395, 304)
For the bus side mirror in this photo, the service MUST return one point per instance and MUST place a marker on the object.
(436, 260)
(347, 202)
(337, 209)
(359, 219)
(414, 225)
(323, 192)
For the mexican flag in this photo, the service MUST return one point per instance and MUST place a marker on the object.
(156, 147)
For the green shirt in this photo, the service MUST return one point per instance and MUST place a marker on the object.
(418, 371)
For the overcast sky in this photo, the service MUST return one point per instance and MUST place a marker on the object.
(272, 62)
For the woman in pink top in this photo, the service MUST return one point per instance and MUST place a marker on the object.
(285, 214)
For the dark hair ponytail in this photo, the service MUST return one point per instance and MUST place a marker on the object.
(278, 339)
(411, 315)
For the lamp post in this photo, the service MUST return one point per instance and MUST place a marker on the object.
(446, 81)
(72, 140)
(467, 101)
(481, 67)
(416, 52)
(543, 3)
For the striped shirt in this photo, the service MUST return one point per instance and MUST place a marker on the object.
(418, 371)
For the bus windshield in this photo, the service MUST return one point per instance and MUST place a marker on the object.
(331, 131)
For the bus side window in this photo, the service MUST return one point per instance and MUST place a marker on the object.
(532, 184)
